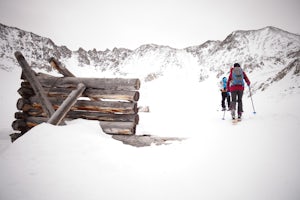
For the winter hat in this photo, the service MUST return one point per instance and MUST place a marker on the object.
(236, 65)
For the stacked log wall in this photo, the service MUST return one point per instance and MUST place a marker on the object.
(112, 101)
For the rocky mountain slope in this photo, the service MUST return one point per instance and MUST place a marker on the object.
(37, 50)
(270, 53)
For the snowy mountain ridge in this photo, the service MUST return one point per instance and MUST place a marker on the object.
(258, 158)
(37, 50)
(269, 51)
(256, 48)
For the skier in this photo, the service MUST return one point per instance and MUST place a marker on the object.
(235, 84)
(225, 94)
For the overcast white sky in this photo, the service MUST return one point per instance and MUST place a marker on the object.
(105, 24)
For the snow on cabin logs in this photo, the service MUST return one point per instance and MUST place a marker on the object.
(112, 101)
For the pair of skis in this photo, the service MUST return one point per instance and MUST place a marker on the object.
(235, 121)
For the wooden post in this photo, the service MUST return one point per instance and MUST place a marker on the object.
(66, 105)
(35, 84)
(56, 65)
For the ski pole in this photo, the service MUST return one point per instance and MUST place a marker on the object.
(252, 100)
(224, 115)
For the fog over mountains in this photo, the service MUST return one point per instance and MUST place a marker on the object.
(270, 52)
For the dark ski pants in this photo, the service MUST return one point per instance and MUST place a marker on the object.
(225, 96)
(237, 98)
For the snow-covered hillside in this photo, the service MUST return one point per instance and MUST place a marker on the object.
(256, 159)
(265, 51)
(259, 158)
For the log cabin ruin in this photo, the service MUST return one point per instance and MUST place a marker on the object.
(45, 98)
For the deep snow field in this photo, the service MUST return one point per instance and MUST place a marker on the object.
(258, 158)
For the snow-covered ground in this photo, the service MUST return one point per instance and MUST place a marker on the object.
(10, 83)
(259, 158)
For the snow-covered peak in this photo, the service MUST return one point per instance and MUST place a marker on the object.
(264, 48)
(263, 53)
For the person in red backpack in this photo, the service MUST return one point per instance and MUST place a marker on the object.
(235, 84)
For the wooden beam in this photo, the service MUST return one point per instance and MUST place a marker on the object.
(24, 125)
(18, 124)
(99, 106)
(84, 115)
(114, 128)
(103, 116)
(61, 112)
(96, 83)
(21, 115)
(26, 92)
(65, 72)
(36, 85)
(24, 104)
(61, 69)
(30, 113)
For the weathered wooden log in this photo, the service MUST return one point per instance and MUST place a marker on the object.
(96, 83)
(21, 115)
(26, 124)
(61, 112)
(118, 128)
(27, 92)
(61, 69)
(65, 72)
(100, 106)
(107, 107)
(104, 116)
(19, 124)
(33, 121)
(23, 77)
(26, 84)
(15, 136)
(84, 115)
(30, 113)
(113, 94)
(35, 112)
(24, 104)
(125, 128)
(34, 82)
